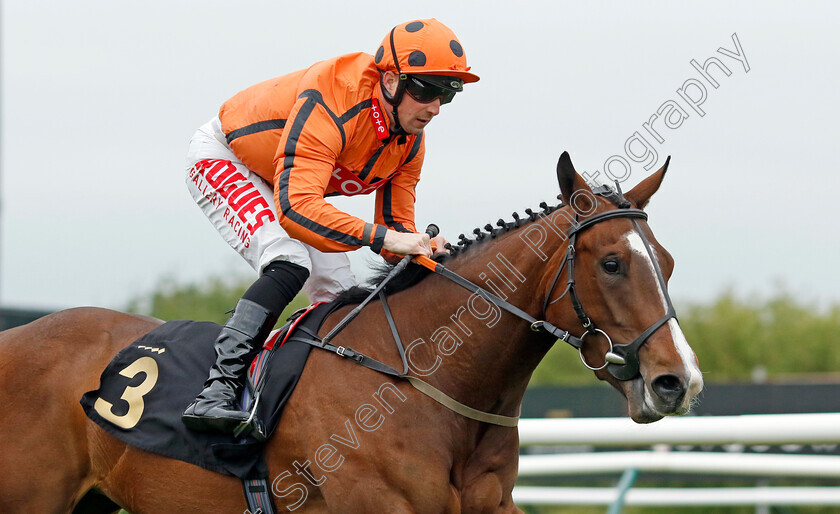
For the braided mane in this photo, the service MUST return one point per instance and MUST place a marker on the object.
(414, 273)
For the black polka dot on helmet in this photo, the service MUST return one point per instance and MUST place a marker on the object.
(426, 48)
(423, 47)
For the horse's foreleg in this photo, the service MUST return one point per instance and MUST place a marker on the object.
(488, 493)
(491, 473)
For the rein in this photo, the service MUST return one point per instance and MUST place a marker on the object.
(621, 360)
(419, 384)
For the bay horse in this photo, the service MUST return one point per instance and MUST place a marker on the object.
(350, 439)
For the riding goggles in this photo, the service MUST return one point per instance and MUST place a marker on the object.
(428, 88)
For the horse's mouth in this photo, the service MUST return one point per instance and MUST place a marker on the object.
(642, 406)
(646, 406)
(639, 409)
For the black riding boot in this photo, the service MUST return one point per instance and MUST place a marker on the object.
(215, 408)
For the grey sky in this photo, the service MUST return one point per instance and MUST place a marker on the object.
(100, 99)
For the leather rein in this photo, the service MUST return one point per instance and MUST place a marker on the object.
(621, 360)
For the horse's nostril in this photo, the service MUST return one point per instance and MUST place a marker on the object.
(669, 388)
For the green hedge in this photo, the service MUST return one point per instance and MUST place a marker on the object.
(211, 300)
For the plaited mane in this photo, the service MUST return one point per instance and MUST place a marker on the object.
(413, 273)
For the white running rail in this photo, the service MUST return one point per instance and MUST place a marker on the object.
(748, 429)
(781, 429)
(728, 496)
(705, 463)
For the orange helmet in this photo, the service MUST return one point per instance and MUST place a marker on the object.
(423, 47)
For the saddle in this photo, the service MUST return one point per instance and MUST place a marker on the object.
(145, 388)
(142, 392)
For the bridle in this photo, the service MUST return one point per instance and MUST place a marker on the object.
(621, 360)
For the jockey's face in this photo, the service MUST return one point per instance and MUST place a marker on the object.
(414, 116)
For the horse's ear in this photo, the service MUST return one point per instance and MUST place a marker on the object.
(568, 178)
(640, 195)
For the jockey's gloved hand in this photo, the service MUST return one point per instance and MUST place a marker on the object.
(407, 243)
(435, 246)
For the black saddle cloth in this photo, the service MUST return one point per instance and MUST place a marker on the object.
(147, 386)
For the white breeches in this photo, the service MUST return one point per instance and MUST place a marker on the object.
(240, 205)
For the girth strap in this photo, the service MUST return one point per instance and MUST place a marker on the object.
(258, 496)
(419, 384)
(347, 353)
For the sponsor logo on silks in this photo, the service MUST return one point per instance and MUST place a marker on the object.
(347, 183)
(248, 210)
(378, 120)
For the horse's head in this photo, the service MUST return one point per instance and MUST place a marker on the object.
(616, 277)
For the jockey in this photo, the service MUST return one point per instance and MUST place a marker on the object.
(261, 170)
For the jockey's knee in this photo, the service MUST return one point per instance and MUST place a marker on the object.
(279, 283)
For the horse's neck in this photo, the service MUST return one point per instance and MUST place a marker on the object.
(480, 354)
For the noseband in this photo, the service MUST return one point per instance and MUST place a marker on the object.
(621, 360)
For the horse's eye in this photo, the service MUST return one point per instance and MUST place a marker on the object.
(611, 266)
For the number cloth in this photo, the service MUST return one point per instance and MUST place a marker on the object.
(146, 387)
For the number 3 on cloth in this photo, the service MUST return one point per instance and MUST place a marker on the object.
(133, 395)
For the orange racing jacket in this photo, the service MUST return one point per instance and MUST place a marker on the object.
(320, 132)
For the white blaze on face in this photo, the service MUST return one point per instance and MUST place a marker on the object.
(695, 379)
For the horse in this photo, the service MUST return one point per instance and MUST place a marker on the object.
(353, 440)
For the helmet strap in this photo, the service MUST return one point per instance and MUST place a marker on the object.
(396, 129)
(395, 100)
